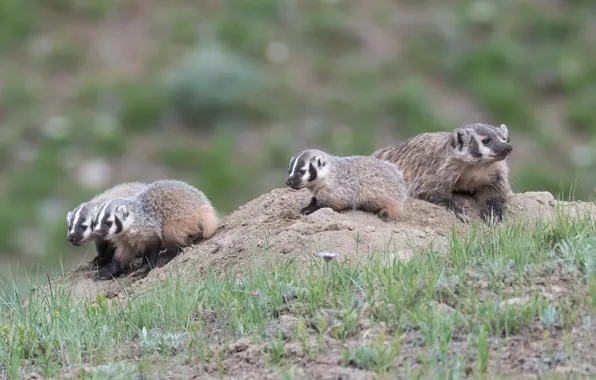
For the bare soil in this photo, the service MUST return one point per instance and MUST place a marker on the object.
(271, 228)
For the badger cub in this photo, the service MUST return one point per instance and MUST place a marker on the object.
(469, 160)
(349, 183)
(167, 216)
(79, 220)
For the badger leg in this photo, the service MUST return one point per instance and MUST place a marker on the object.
(491, 202)
(450, 204)
(493, 196)
(195, 238)
(311, 207)
(116, 267)
(492, 207)
(125, 254)
(168, 252)
(392, 211)
(151, 251)
(105, 252)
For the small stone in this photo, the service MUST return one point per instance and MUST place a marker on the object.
(369, 229)
(557, 289)
(162, 277)
(365, 312)
(564, 369)
(420, 284)
(239, 346)
(547, 360)
(547, 296)
(364, 323)
(516, 301)
(442, 308)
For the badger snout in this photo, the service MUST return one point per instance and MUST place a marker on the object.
(293, 182)
(72, 239)
(505, 150)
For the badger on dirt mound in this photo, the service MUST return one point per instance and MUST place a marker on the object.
(164, 218)
(349, 183)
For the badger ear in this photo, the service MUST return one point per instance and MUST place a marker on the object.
(460, 138)
(122, 212)
(68, 216)
(318, 161)
(504, 131)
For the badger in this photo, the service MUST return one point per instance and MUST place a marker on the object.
(164, 218)
(469, 161)
(79, 220)
(349, 183)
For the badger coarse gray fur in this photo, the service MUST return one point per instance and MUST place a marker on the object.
(349, 183)
(165, 217)
(469, 160)
(79, 220)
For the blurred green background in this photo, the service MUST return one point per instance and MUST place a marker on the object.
(222, 93)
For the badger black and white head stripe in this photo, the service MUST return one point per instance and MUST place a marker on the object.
(111, 219)
(296, 164)
(482, 142)
(317, 169)
(307, 168)
(78, 221)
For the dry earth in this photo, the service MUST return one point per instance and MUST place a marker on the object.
(271, 228)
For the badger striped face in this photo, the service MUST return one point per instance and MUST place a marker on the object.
(306, 169)
(111, 219)
(79, 224)
(482, 142)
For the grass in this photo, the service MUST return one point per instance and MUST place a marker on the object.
(440, 314)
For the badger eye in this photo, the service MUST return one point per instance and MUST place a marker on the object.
(108, 223)
(83, 228)
(486, 141)
(302, 171)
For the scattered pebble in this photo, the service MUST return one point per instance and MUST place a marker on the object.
(239, 346)
(516, 301)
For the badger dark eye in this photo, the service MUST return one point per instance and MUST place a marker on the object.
(108, 223)
(83, 228)
(302, 171)
(486, 141)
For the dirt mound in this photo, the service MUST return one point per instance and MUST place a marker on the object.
(271, 228)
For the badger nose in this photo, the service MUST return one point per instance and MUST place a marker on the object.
(508, 149)
(289, 181)
(71, 238)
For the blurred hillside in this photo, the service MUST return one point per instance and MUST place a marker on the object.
(222, 94)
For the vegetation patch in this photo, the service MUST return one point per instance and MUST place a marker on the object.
(514, 301)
